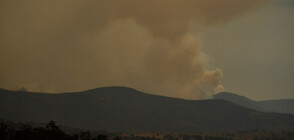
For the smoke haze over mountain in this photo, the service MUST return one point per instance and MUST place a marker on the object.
(58, 46)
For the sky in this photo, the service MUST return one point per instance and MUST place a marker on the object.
(255, 52)
(188, 49)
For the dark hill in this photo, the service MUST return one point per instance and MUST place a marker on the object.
(128, 110)
(239, 100)
(281, 106)
(278, 106)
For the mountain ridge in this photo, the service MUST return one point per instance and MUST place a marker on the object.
(129, 110)
(274, 105)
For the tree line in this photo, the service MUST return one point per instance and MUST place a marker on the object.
(49, 132)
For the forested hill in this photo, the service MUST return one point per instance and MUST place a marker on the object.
(278, 105)
(124, 109)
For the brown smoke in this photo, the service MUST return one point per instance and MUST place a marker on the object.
(71, 45)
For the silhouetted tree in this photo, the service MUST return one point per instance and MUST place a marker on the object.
(3, 131)
(117, 138)
(85, 135)
(101, 137)
(51, 125)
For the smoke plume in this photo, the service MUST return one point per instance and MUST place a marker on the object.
(72, 45)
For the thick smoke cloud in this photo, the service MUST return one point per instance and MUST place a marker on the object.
(61, 46)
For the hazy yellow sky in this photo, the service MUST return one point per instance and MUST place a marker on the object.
(171, 47)
(255, 51)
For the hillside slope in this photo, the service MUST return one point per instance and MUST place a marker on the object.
(278, 106)
(128, 110)
(239, 100)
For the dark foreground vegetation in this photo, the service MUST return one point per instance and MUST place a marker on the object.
(249, 135)
(50, 131)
